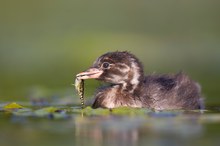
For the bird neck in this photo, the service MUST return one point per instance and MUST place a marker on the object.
(135, 78)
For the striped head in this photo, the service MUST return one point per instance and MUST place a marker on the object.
(121, 68)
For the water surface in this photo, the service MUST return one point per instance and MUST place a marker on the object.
(69, 125)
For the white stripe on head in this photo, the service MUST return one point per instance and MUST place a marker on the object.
(136, 75)
(125, 68)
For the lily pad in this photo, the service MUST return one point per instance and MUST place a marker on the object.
(24, 112)
(51, 112)
(130, 111)
(116, 111)
(13, 105)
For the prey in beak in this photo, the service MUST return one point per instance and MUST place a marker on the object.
(92, 73)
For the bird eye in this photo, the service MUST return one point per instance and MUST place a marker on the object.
(105, 65)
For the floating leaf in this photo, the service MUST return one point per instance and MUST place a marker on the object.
(90, 111)
(23, 112)
(99, 111)
(13, 105)
(116, 111)
(130, 111)
(45, 111)
(51, 112)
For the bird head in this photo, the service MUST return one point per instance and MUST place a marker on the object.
(116, 68)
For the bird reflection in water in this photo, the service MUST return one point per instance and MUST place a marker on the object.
(136, 130)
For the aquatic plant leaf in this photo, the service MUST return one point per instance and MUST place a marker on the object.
(99, 111)
(51, 112)
(26, 112)
(116, 111)
(13, 105)
(45, 111)
(130, 111)
(90, 111)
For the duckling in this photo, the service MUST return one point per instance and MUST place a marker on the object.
(131, 88)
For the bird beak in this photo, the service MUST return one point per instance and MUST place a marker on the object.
(91, 73)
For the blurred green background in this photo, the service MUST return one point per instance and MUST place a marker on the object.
(44, 43)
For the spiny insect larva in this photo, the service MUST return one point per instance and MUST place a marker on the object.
(79, 85)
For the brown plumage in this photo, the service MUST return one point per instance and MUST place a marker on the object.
(129, 87)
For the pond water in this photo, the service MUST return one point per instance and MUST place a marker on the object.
(70, 125)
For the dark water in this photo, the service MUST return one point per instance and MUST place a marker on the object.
(103, 127)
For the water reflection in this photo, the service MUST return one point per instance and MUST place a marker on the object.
(135, 130)
(153, 129)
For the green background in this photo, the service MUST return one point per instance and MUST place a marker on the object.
(44, 43)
